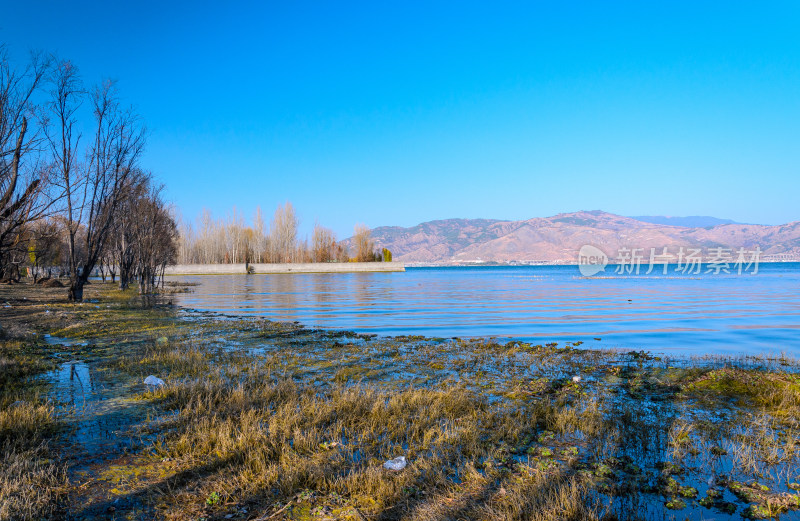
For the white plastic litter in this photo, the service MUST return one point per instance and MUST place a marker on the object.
(576, 379)
(398, 463)
(154, 381)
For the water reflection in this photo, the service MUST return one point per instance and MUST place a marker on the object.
(73, 383)
(323, 289)
(97, 402)
(698, 314)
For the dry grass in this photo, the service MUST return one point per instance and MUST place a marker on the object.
(32, 483)
(261, 419)
(267, 442)
(19, 362)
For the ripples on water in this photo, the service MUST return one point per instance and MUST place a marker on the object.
(692, 314)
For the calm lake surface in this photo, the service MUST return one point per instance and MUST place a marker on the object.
(678, 314)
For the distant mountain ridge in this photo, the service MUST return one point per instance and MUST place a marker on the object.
(558, 238)
(693, 221)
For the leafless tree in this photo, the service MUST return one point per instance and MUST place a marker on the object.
(259, 243)
(187, 241)
(215, 241)
(44, 247)
(23, 180)
(323, 244)
(121, 245)
(237, 239)
(210, 239)
(92, 189)
(283, 233)
(156, 238)
(59, 121)
(143, 238)
(342, 254)
(363, 244)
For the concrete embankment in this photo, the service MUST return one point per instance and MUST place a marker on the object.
(317, 267)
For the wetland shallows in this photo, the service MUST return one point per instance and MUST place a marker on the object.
(272, 420)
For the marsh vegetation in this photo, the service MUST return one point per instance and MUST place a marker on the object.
(266, 420)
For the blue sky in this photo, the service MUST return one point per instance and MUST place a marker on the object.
(398, 113)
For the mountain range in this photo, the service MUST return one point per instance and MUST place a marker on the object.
(693, 221)
(557, 239)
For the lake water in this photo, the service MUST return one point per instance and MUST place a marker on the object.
(679, 314)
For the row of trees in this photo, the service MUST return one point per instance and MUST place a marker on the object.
(143, 238)
(72, 192)
(222, 241)
(74, 198)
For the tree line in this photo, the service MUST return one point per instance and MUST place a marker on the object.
(73, 195)
(231, 241)
(75, 200)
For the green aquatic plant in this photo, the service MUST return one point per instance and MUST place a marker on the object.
(675, 504)
(212, 499)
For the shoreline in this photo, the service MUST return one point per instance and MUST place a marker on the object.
(530, 264)
(368, 267)
(284, 268)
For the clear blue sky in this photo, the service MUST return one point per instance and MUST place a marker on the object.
(393, 113)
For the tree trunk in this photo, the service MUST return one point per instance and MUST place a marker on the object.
(76, 291)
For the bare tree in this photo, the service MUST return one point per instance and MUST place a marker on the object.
(235, 236)
(323, 244)
(156, 237)
(214, 241)
(143, 236)
(342, 254)
(187, 242)
(63, 138)
(124, 227)
(259, 243)
(23, 180)
(283, 233)
(362, 242)
(206, 236)
(44, 246)
(93, 189)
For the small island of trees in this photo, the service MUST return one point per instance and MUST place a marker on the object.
(231, 241)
